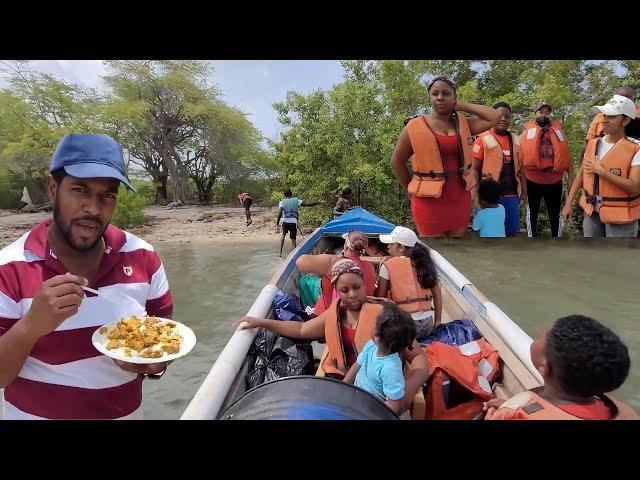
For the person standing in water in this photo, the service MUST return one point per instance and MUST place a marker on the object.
(439, 146)
(497, 156)
(610, 176)
(546, 156)
(490, 220)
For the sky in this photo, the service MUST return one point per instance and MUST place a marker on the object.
(251, 85)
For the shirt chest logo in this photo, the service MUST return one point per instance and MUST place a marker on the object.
(128, 271)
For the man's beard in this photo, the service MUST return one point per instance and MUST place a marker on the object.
(66, 233)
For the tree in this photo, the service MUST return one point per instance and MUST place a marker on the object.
(36, 111)
(346, 135)
(157, 107)
(228, 147)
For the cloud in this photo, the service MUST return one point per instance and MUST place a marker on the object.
(251, 85)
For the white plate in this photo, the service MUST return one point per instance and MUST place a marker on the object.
(188, 342)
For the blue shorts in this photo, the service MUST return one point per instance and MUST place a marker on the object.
(511, 206)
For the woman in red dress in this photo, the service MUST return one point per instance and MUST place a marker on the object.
(441, 146)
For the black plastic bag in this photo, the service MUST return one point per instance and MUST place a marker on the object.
(275, 357)
(259, 357)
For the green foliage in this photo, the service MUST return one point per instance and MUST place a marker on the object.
(129, 209)
(9, 194)
(170, 116)
(145, 190)
(167, 115)
(36, 110)
(262, 190)
(346, 135)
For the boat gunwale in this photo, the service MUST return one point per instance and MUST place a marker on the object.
(468, 291)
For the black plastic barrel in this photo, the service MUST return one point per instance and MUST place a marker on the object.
(306, 397)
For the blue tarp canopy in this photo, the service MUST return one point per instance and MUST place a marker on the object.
(357, 219)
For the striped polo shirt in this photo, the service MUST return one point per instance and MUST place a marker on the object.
(64, 376)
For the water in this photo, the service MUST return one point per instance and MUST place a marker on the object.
(534, 282)
(212, 284)
(537, 282)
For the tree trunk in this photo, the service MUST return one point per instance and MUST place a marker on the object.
(200, 189)
(177, 181)
(160, 184)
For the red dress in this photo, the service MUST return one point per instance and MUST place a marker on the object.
(349, 343)
(434, 216)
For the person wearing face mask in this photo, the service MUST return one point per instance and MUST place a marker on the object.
(439, 146)
(546, 158)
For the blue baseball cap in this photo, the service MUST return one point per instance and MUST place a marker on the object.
(90, 155)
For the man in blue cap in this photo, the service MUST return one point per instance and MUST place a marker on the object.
(48, 364)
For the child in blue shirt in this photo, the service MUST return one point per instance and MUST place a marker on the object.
(378, 369)
(490, 219)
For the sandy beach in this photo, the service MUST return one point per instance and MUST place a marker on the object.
(183, 224)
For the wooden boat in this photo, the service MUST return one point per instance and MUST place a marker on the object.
(225, 383)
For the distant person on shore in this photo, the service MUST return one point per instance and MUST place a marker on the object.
(288, 216)
(246, 200)
(343, 204)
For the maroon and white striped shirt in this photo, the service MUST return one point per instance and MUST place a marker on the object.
(64, 376)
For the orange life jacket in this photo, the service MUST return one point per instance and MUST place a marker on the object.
(531, 406)
(530, 144)
(335, 363)
(598, 119)
(617, 205)
(460, 380)
(406, 291)
(494, 158)
(428, 163)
